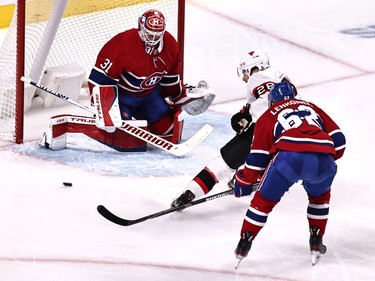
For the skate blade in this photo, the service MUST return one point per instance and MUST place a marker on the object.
(237, 263)
(315, 257)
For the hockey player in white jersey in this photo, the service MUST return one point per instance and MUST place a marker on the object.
(255, 70)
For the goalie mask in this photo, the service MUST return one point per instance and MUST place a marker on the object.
(151, 27)
(253, 59)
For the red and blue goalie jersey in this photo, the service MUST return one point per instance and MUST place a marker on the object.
(292, 125)
(136, 70)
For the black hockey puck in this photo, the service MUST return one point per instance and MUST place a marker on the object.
(67, 184)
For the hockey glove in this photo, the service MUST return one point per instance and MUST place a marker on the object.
(241, 121)
(195, 100)
(241, 186)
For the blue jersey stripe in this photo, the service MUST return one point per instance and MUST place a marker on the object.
(255, 217)
(100, 78)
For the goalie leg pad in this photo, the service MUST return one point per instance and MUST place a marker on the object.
(55, 137)
(178, 125)
(169, 127)
(81, 133)
(108, 115)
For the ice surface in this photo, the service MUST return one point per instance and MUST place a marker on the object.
(51, 232)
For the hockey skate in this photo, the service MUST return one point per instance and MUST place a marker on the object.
(185, 198)
(232, 182)
(316, 245)
(43, 141)
(243, 247)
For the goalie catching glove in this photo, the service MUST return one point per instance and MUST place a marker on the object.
(241, 121)
(196, 100)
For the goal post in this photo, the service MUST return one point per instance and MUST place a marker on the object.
(18, 121)
(55, 41)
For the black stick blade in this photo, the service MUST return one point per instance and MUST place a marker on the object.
(112, 217)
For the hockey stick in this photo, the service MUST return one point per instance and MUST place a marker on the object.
(124, 222)
(175, 149)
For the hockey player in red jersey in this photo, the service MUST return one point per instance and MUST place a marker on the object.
(137, 76)
(145, 65)
(255, 70)
(293, 140)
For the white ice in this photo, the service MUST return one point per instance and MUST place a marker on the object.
(50, 232)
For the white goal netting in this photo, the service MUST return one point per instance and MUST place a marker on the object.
(73, 39)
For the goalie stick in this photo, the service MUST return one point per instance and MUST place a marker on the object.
(125, 222)
(175, 149)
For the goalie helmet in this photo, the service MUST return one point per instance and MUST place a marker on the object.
(281, 91)
(151, 27)
(253, 59)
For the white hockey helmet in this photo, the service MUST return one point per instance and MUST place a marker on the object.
(253, 59)
(151, 27)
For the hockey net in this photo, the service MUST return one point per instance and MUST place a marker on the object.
(67, 34)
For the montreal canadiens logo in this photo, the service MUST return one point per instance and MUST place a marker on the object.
(151, 81)
(155, 23)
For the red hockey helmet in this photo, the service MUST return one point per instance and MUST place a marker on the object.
(151, 27)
